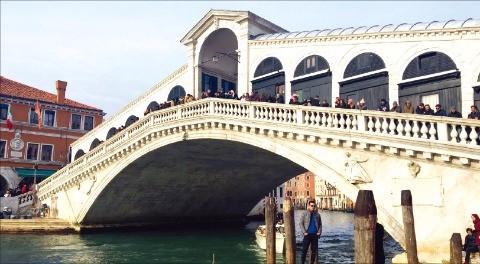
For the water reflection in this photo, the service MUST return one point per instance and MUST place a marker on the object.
(178, 246)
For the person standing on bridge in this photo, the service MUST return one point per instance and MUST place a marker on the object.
(311, 227)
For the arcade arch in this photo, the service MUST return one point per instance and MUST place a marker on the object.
(307, 84)
(94, 144)
(111, 132)
(271, 77)
(79, 153)
(130, 120)
(431, 78)
(218, 61)
(174, 95)
(361, 85)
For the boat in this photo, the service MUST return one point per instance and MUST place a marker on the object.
(261, 237)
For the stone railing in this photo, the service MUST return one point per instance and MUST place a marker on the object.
(407, 131)
(25, 199)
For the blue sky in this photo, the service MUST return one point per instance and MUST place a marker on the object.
(111, 52)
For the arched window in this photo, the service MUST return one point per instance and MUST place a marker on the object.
(131, 120)
(268, 65)
(363, 63)
(428, 63)
(443, 88)
(111, 132)
(311, 64)
(153, 106)
(79, 153)
(175, 93)
(94, 144)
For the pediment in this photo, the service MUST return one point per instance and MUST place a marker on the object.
(213, 16)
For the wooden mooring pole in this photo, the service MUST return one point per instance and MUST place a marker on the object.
(270, 223)
(456, 249)
(409, 227)
(289, 223)
(365, 220)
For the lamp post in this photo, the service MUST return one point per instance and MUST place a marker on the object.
(35, 167)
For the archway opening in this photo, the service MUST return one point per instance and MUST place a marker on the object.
(94, 144)
(312, 78)
(79, 153)
(130, 120)
(269, 79)
(431, 78)
(218, 62)
(111, 132)
(175, 94)
(370, 87)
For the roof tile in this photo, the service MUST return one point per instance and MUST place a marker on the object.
(19, 90)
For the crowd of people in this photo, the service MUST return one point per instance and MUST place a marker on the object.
(383, 105)
(24, 186)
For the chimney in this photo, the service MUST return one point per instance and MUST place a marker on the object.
(61, 88)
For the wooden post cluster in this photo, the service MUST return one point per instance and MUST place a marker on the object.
(270, 225)
(409, 227)
(365, 221)
(289, 223)
(456, 249)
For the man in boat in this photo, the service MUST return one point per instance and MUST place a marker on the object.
(311, 227)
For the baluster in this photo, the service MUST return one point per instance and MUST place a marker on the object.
(330, 120)
(354, 123)
(415, 129)
(270, 113)
(257, 112)
(285, 115)
(341, 122)
(370, 124)
(463, 135)
(317, 119)
(348, 122)
(392, 126)
(310, 118)
(424, 130)
(384, 126)
(289, 116)
(473, 136)
(216, 108)
(432, 132)
(275, 114)
(335, 121)
(378, 125)
(400, 128)
(324, 119)
(294, 117)
(454, 134)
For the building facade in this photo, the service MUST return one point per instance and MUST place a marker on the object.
(301, 189)
(62, 121)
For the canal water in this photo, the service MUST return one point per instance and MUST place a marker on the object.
(192, 245)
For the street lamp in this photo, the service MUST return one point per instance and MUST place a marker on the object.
(231, 55)
(35, 167)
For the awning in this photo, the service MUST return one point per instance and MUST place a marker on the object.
(31, 173)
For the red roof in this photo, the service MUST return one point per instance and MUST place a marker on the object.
(19, 90)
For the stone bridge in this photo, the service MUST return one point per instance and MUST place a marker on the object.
(214, 159)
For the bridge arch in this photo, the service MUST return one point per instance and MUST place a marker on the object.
(313, 77)
(431, 78)
(358, 84)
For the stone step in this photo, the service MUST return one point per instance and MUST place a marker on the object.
(35, 225)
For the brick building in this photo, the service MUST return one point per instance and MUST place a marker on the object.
(301, 188)
(62, 122)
